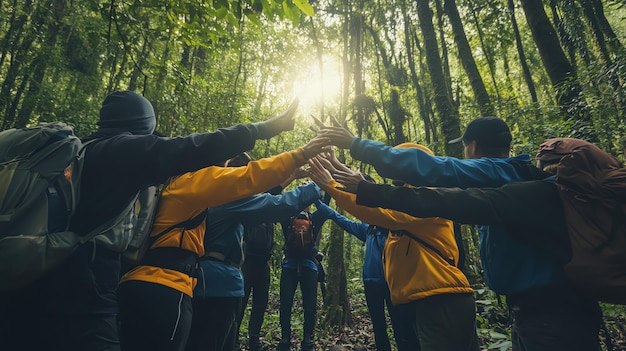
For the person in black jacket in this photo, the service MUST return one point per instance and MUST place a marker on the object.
(74, 307)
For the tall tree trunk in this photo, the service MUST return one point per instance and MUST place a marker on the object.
(522, 56)
(41, 63)
(487, 53)
(449, 117)
(467, 60)
(336, 301)
(559, 70)
(337, 305)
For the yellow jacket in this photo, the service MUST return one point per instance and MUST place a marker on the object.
(412, 270)
(188, 195)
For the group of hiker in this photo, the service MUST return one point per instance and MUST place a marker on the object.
(212, 238)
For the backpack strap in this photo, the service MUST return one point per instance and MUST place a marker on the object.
(427, 245)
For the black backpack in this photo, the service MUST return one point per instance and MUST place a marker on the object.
(259, 240)
(40, 171)
(300, 242)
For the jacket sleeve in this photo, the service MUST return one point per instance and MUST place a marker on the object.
(267, 208)
(213, 186)
(416, 167)
(534, 204)
(152, 160)
(390, 219)
(358, 229)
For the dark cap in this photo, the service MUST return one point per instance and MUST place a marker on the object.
(126, 111)
(488, 132)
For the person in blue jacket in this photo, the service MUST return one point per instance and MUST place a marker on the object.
(220, 288)
(540, 298)
(374, 284)
(303, 271)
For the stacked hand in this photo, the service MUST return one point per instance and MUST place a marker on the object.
(338, 136)
(326, 167)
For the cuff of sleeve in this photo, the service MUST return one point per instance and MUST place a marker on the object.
(366, 193)
(260, 131)
(354, 146)
(299, 156)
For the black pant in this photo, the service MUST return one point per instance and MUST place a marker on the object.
(27, 329)
(256, 277)
(446, 322)
(289, 280)
(213, 317)
(556, 319)
(153, 317)
(402, 319)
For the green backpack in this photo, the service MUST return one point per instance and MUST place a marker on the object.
(40, 171)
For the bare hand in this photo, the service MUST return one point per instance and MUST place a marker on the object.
(350, 180)
(335, 162)
(318, 173)
(316, 146)
(285, 121)
(338, 136)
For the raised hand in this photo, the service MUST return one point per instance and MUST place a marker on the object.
(349, 179)
(315, 146)
(335, 162)
(283, 122)
(318, 173)
(338, 136)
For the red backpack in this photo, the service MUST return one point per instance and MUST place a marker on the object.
(300, 240)
(592, 186)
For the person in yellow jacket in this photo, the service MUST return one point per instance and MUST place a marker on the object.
(155, 297)
(420, 262)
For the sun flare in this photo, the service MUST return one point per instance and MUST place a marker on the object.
(313, 87)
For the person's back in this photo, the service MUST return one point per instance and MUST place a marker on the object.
(420, 262)
(531, 280)
(76, 302)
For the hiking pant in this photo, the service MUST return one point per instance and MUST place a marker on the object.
(153, 317)
(376, 295)
(570, 324)
(24, 328)
(213, 317)
(446, 322)
(289, 279)
(256, 278)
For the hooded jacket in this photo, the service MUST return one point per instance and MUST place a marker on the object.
(508, 266)
(117, 165)
(187, 196)
(412, 270)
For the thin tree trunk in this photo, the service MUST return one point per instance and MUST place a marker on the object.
(449, 116)
(490, 62)
(559, 70)
(522, 56)
(467, 60)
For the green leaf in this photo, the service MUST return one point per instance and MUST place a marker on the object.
(305, 7)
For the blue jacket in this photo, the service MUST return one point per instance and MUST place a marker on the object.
(224, 234)
(509, 266)
(373, 236)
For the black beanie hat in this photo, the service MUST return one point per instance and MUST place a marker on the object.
(126, 111)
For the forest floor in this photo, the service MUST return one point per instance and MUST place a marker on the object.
(492, 320)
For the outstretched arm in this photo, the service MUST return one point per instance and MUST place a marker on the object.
(534, 204)
(358, 229)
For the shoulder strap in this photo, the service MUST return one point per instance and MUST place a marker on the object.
(108, 225)
(188, 224)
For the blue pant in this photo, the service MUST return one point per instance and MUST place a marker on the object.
(289, 280)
